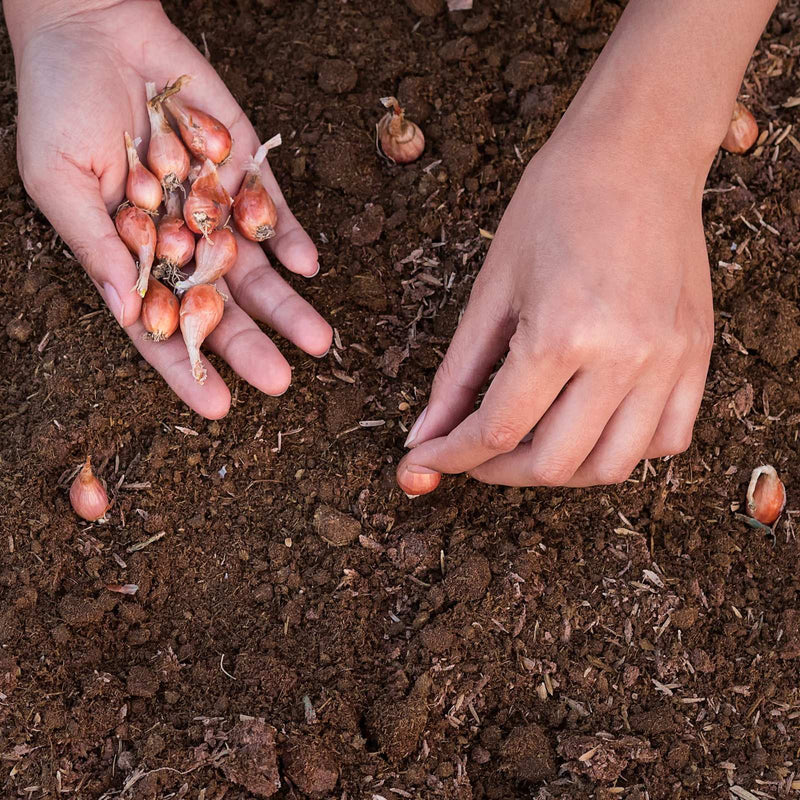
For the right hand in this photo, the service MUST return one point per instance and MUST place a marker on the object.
(81, 85)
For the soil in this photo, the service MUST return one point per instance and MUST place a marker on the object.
(298, 620)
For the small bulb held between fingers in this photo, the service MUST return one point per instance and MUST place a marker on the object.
(766, 495)
(742, 131)
(87, 495)
(160, 310)
(137, 230)
(417, 480)
(202, 308)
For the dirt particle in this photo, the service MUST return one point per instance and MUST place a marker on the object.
(469, 580)
(604, 760)
(336, 76)
(685, 618)
(142, 682)
(253, 762)
(348, 164)
(311, 767)
(459, 49)
(369, 291)
(398, 724)
(570, 11)
(335, 528)
(426, 8)
(80, 612)
(527, 754)
(526, 70)
(539, 103)
(19, 330)
(770, 327)
(366, 227)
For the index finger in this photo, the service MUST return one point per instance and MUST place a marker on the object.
(521, 392)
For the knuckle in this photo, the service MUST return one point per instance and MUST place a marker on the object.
(499, 437)
(615, 473)
(551, 473)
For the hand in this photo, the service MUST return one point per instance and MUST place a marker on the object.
(596, 290)
(81, 84)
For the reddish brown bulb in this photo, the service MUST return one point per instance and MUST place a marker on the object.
(766, 495)
(400, 139)
(214, 256)
(202, 308)
(166, 156)
(142, 188)
(208, 205)
(137, 231)
(87, 495)
(742, 131)
(175, 245)
(160, 310)
(254, 212)
(204, 135)
(417, 483)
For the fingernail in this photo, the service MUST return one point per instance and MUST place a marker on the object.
(414, 432)
(322, 355)
(316, 273)
(114, 303)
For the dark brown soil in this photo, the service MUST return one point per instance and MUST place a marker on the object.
(300, 620)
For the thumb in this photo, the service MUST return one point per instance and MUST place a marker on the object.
(84, 223)
(481, 338)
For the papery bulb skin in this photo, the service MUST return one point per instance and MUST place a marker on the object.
(160, 311)
(167, 158)
(202, 308)
(142, 188)
(766, 495)
(214, 256)
(137, 230)
(204, 135)
(400, 139)
(254, 212)
(87, 495)
(175, 243)
(208, 205)
(417, 483)
(742, 131)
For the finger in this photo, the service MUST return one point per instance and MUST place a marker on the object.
(481, 338)
(521, 392)
(264, 295)
(85, 225)
(562, 439)
(210, 399)
(674, 432)
(625, 439)
(249, 352)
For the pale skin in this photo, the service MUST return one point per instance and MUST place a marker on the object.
(595, 290)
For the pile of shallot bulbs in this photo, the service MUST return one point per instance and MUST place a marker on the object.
(195, 203)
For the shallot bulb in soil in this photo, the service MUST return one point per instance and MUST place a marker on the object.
(204, 135)
(201, 311)
(175, 245)
(742, 131)
(208, 205)
(417, 483)
(214, 256)
(137, 230)
(142, 187)
(400, 139)
(167, 158)
(766, 495)
(254, 212)
(160, 310)
(87, 495)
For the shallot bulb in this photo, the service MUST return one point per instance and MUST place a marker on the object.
(201, 311)
(417, 483)
(87, 495)
(160, 310)
(175, 245)
(254, 212)
(136, 229)
(742, 131)
(766, 495)
(214, 256)
(401, 140)
(204, 135)
(142, 187)
(166, 155)
(208, 205)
